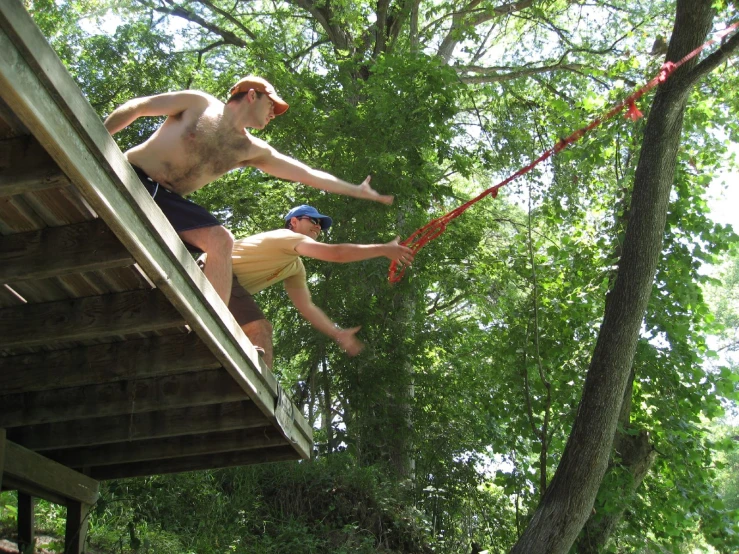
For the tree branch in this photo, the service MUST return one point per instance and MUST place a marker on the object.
(229, 37)
(306, 50)
(491, 75)
(324, 15)
(712, 61)
(381, 26)
(461, 19)
(228, 16)
(437, 307)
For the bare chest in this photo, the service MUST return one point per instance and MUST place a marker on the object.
(212, 146)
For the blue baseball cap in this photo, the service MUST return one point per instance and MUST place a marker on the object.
(309, 211)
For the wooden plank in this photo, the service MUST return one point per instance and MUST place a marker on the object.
(42, 290)
(26, 523)
(78, 285)
(9, 296)
(195, 463)
(24, 465)
(55, 208)
(12, 126)
(131, 397)
(173, 447)
(19, 181)
(148, 425)
(40, 91)
(86, 318)
(2, 455)
(23, 151)
(32, 489)
(105, 363)
(18, 216)
(52, 252)
(27, 167)
(75, 531)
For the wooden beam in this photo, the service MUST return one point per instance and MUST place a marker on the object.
(195, 463)
(27, 167)
(2, 456)
(19, 181)
(148, 425)
(86, 318)
(105, 363)
(26, 523)
(12, 484)
(33, 489)
(12, 126)
(56, 251)
(24, 466)
(76, 527)
(173, 447)
(22, 150)
(131, 397)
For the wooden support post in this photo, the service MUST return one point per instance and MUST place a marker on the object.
(26, 539)
(76, 531)
(2, 455)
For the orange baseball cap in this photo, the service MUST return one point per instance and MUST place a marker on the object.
(260, 85)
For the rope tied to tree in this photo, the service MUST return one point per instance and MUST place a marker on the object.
(436, 227)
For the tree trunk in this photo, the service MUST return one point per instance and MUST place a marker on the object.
(569, 499)
(633, 455)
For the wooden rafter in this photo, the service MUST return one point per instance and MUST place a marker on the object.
(51, 252)
(191, 420)
(86, 318)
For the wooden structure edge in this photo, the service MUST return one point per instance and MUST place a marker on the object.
(45, 99)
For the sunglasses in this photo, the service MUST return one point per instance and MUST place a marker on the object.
(313, 220)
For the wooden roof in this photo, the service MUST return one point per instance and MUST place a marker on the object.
(117, 358)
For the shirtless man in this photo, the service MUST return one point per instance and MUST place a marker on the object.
(203, 138)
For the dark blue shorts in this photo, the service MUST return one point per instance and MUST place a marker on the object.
(182, 213)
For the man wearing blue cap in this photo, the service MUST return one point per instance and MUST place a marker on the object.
(267, 258)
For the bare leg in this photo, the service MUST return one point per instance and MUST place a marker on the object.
(218, 243)
(259, 333)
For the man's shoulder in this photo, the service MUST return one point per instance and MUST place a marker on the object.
(197, 98)
(200, 94)
(273, 234)
(273, 237)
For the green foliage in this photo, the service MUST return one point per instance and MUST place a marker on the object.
(8, 512)
(327, 506)
(49, 519)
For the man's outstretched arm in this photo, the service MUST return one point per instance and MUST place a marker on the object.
(344, 253)
(169, 103)
(345, 338)
(267, 159)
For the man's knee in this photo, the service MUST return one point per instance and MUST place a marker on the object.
(222, 237)
(210, 239)
(267, 326)
(264, 326)
(260, 327)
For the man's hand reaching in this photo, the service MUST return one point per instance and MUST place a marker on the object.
(348, 342)
(368, 193)
(396, 252)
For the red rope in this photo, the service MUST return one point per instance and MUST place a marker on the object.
(436, 227)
